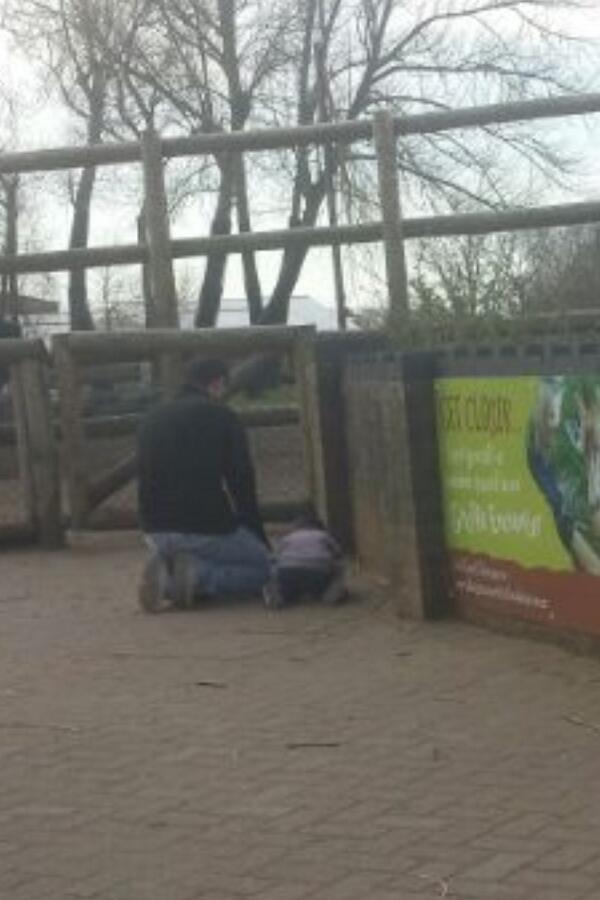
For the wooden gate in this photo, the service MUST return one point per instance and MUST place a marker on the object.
(162, 354)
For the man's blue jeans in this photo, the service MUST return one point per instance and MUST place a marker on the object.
(236, 563)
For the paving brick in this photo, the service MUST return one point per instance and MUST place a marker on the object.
(569, 857)
(356, 886)
(498, 866)
(125, 776)
(592, 867)
(536, 847)
(467, 889)
(525, 825)
(287, 892)
(568, 882)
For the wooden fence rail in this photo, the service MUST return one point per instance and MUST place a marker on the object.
(565, 214)
(127, 424)
(93, 348)
(156, 251)
(282, 138)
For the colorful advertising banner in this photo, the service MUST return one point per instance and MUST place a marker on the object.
(520, 464)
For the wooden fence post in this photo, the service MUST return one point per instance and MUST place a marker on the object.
(393, 237)
(307, 380)
(146, 281)
(17, 390)
(11, 244)
(72, 431)
(158, 237)
(36, 448)
(392, 448)
(42, 453)
(170, 372)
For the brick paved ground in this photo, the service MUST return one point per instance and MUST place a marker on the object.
(163, 759)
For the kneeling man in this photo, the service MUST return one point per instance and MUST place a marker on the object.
(197, 497)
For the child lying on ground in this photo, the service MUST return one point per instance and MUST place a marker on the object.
(308, 565)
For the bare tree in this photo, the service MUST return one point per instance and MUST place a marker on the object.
(240, 63)
(184, 69)
(551, 275)
(21, 226)
(76, 42)
(469, 277)
(560, 271)
(225, 65)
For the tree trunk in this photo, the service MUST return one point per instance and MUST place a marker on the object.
(329, 154)
(251, 277)
(79, 310)
(211, 293)
(149, 313)
(277, 310)
(253, 373)
(239, 103)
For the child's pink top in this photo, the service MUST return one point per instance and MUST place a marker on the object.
(307, 548)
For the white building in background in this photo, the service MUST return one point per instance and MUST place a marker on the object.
(304, 310)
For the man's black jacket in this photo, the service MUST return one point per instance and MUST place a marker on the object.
(195, 471)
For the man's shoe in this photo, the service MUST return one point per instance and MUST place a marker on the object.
(184, 581)
(152, 592)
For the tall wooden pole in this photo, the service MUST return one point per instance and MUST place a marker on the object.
(329, 161)
(307, 381)
(12, 243)
(145, 273)
(158, 236)
(393, 236)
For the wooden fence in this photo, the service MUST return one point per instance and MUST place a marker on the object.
(31, 495)
(158, 251)
(393, 478)
(165, 353)
(52, 431)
